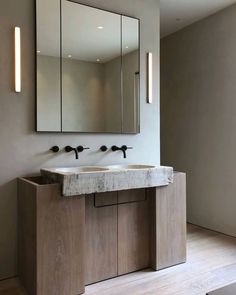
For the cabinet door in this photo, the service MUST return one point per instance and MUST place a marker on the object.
(60, 242)
(133, 231)
(101, 237)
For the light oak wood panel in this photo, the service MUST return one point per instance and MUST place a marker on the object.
(60, 243)
(133, 231)
(101, 239)
(51, 252)
(211, 264)
(168, 205)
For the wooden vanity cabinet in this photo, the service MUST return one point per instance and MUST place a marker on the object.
(150, 226)
(66, 243)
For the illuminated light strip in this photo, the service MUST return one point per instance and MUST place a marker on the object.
(150, 78)
(17, 60)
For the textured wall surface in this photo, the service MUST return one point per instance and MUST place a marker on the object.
(24, 152)
(198, 116)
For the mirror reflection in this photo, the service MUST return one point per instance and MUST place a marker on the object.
(91, 66)
(48, 65)
(130, 72)
(87, 69)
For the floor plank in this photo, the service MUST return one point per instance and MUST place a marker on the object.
(211, 264)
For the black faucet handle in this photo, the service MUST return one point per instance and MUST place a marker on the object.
(80, 148)
(68, 149)
(103, 148)
(125, 147)
(114, 148)
(55, 149)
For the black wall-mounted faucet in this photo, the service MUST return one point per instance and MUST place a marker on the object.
(124, 148)
(55, 149)
(80, 148)
(77, 150)
(69, 149)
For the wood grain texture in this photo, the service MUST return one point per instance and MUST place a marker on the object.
(60, 242)
(133, 231)
(51, 240)
(211, 264)
(101, 240)
(74, 242)
(168, 205)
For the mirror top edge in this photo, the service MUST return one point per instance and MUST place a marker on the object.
(103, 9)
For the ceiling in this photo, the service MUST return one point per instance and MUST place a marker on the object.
(177, 14)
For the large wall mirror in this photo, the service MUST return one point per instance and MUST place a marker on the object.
(87, 69)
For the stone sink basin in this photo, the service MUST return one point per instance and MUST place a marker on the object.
(76, 170)
(96, 179)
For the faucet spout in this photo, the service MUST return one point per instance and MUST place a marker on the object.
(124, 152)
(70, 149)
(76, 153)
(124, 148)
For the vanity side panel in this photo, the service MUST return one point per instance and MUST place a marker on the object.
(133, 231)
(27, 235)
(101, 238)
(168, 227)
(60, 242)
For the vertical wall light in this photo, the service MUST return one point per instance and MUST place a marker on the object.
(17, 60)
(149, 78)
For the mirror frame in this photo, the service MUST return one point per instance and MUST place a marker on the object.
(60, 32)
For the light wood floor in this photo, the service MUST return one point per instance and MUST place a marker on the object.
(211, 264)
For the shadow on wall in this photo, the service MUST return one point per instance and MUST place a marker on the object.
(8, 216)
